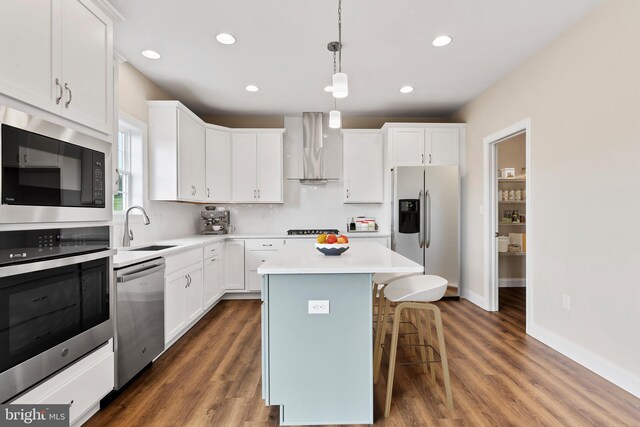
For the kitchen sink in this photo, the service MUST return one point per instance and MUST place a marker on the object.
(154, 248)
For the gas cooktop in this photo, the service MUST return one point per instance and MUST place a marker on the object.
(308, 231)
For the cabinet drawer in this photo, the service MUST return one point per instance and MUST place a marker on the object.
(213, 250)
(82, 385)
(264, 244)
(255, 258)
(182, 260)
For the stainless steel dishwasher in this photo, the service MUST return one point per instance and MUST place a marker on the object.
(139, 318)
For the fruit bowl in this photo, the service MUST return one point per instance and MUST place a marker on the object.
(332, 249)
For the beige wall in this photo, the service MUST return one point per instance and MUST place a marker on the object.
(512, 153)
(134, 90)
(582, 93)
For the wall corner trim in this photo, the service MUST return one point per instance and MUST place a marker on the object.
(622, 377)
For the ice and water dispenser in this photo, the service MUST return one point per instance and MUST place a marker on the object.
(409, 216)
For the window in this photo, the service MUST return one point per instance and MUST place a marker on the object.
(128, 190)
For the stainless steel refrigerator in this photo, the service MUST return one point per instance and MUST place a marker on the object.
(426, 219)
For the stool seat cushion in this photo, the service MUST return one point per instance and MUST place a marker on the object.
(416, 288)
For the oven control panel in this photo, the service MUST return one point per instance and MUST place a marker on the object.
(31, 245)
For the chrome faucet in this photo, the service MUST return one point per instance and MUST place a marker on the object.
(128, 234)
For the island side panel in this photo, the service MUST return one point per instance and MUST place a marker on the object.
(320, 365)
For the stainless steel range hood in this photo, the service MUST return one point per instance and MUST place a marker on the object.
(312, 147)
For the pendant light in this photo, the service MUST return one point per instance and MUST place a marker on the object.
(335, 117)
(340, 79)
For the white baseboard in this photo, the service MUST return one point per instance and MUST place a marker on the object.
(616, 374)
(512, 283)
(474, 298)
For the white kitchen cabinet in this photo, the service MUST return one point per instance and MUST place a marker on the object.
(213, 274)
(58, 56)
(234, 265)
(407, 146)
(257, 171)
(258, 251)
(176, 153)
(218, 165)
(183, 299)
(423, 144)
(363, 167)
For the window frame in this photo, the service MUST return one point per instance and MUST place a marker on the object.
(135, 170)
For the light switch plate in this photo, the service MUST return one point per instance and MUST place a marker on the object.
(318, 307)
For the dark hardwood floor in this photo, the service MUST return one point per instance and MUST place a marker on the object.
(500, 377)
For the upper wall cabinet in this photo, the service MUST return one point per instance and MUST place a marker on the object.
(423, 144)
(57, 55)
(363, 166)
(257, 169)
(218, 165)
(176, 153)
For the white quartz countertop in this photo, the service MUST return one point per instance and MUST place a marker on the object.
(127, 256)
(362, 257)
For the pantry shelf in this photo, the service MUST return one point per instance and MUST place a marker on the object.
(512, 253)
(512, 223)
(512, 201)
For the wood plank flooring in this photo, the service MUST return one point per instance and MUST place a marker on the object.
(500, 377)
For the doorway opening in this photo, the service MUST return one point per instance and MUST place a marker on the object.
(508, 221)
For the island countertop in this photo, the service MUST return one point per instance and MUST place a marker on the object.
(301, 257)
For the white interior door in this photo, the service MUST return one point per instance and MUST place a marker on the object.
(218, 166)
(30, 51)
(270, 174)
(87, 70)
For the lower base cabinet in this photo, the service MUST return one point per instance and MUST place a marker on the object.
(234, 265)
(213, 278)
(183, 299)
(81, 385)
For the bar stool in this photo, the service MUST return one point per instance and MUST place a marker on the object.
(412, 293)
(380, 280)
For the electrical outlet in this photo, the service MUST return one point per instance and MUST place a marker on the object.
(318, 307)
(566, 302)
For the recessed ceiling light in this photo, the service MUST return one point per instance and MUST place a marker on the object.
(406, 89)
(252, 88)
(441, 41)
(225, 38)
(328, 88)
(151, 54)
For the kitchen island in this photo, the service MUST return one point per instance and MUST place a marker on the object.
(317, 342)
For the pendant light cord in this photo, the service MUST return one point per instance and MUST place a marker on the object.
(340, 35)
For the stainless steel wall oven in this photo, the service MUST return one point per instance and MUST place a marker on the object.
(55, 297)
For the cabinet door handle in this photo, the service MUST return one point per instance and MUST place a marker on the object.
(60, 93)
(267, 244)
(66, 104)
(258, 193)
(213, 250)
(208, 192)
(347, 193)
(254, 194)
(193, 190)
(422, 159)
(429, 158)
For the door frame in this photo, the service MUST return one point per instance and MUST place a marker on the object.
(491, 213)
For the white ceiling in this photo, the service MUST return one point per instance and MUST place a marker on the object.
(281, 47)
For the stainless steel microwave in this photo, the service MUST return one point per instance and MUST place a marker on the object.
(51, 173)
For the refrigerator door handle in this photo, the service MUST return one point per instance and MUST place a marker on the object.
(421, 220)
(428, 222)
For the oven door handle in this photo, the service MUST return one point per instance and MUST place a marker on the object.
(140, 273)
(27, 267)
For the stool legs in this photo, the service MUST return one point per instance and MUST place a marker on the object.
(397, 318)
(383, 311)
(443, 355)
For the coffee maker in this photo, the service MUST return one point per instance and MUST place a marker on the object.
(216, 221)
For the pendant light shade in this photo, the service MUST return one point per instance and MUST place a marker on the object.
(340, 85)
(335, 119)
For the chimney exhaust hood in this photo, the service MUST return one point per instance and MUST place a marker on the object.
(313, 147)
